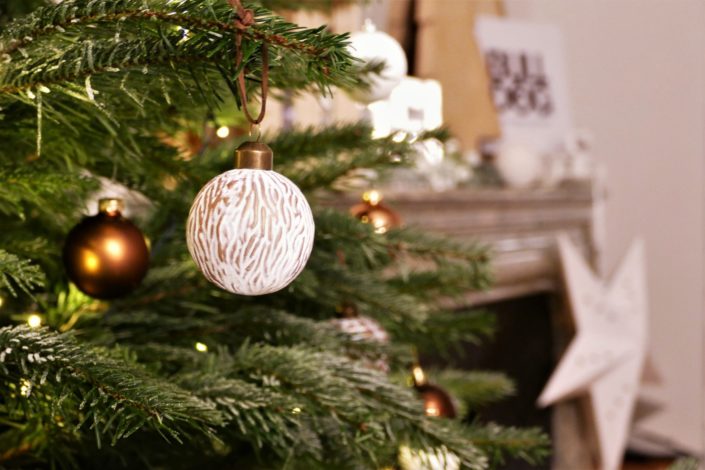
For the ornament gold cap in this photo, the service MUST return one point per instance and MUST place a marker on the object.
(372, 197)
(254, 155)
(418, 375)
(111, 205)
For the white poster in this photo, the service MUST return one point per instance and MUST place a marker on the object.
(527, 77)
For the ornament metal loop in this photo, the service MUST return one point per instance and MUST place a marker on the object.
(254, 155)
(111, 205)
(255, 129)
(418, 375)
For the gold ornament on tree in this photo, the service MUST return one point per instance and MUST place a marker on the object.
(372, 211)
(250, 230)
(106, 255)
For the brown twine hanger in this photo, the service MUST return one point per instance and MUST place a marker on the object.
(244, 19)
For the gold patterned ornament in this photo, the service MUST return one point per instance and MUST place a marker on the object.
(372, 211)
(250, 230)
(105, 255)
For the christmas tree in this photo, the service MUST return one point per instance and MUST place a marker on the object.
(180, 373)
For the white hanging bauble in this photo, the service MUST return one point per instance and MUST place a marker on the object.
(250, 230)
(369, 46)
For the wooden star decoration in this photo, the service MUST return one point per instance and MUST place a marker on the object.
(605, 359)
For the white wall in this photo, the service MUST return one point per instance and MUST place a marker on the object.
(636, 77)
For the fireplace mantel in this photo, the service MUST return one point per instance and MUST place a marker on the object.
(519, 225)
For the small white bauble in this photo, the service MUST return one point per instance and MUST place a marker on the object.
(250, 230)
(518, 165)
(369, 46)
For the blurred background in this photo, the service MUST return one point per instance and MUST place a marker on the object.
(594, 127)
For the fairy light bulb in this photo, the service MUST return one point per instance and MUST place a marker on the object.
(223, 132)
(34, 321)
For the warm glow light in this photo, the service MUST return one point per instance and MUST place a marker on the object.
(431, 409)
(114, 248)
(399, 137)
(419, 376)
(296, 410)
(373, 197)
(2, 301)
(25, 387)
(380, 226)
(201, 347)
(91, 261)
(223, 132)
(34, 321)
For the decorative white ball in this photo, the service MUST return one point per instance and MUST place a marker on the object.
(371, 45)
(518, 165)
(250, 231)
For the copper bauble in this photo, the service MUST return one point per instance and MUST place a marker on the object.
(372, 211)
(106, 255)
(436, 401)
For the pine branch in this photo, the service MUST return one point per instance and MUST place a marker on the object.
(316, 158)
(88, 387)
(685, 463)
(210, 25)
(20, 273)
(368, 405)
(347, 233)
(42, 188)
(445, 333)
(500, 443)
(474, 389)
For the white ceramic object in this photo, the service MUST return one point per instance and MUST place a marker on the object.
(518, 165)
(371, 45)
(250, 231)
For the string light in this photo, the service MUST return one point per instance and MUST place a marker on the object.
(296, 410)
(419, 376)
(34, 321)
(223, 132)
(25, 387)
(201, 347)
(2, 301)
(373, 197)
